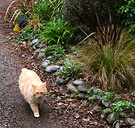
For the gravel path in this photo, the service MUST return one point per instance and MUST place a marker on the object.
(14, 110)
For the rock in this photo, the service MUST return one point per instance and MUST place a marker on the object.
(37, 51)
(78, 82)
(117, 125)
(71, 88)
(111, 118)
(94, 88)
(82, 96)
(40, 56)
(51, 68)
(132, 127)
(99, 95)
(83, 88)
(59, 81)
(106, 112)
(130, 121)
(105, 103)
(24, 43)
(36, 42)
(122, 114)
(45, 63)
(49, 57)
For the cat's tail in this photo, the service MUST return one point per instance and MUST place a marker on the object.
(24, 69)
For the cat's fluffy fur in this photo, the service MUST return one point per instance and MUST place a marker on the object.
(32, 88)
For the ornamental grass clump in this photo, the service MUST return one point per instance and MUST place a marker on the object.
(110, 58)
(113, 66)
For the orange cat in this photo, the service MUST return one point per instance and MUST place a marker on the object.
(32, 88)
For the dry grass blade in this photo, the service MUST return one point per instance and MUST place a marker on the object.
(8, 9)
(15, 13)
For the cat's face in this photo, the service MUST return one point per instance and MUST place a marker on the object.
(39, 91)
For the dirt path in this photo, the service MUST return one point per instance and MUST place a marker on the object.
(14, 111)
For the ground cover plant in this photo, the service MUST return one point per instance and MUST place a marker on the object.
(70, 70)
(56, 51)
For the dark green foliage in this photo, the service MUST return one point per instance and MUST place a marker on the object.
(127, 10)
(56, 51)
(82, 12)
(57, 32)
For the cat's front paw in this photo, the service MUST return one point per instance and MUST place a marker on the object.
(36, 115)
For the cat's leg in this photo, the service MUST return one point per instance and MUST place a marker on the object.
(34, 108)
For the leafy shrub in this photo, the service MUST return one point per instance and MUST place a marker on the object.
(56, 51)
(127, 10)
(82, 12)
(57, 32)
(70, 70)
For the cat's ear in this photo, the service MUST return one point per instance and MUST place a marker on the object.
(44, 84)
(34, 86)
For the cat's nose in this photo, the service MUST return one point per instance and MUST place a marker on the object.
(40, 96)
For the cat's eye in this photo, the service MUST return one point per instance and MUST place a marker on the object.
(37, 92)
(42, 92)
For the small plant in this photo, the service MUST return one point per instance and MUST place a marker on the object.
(56, 51)
(92, 97)
(70, 70)
(57, 32)
(107, 96)
(28, 34)
(106, 110)
(119, 106)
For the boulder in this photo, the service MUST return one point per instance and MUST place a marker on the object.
(59, 81)
(130, 121)
(52, 68)
(40, 56)
(83, 88)
(105, 103)
(111, 118)
(71, 88)
(78, 82)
